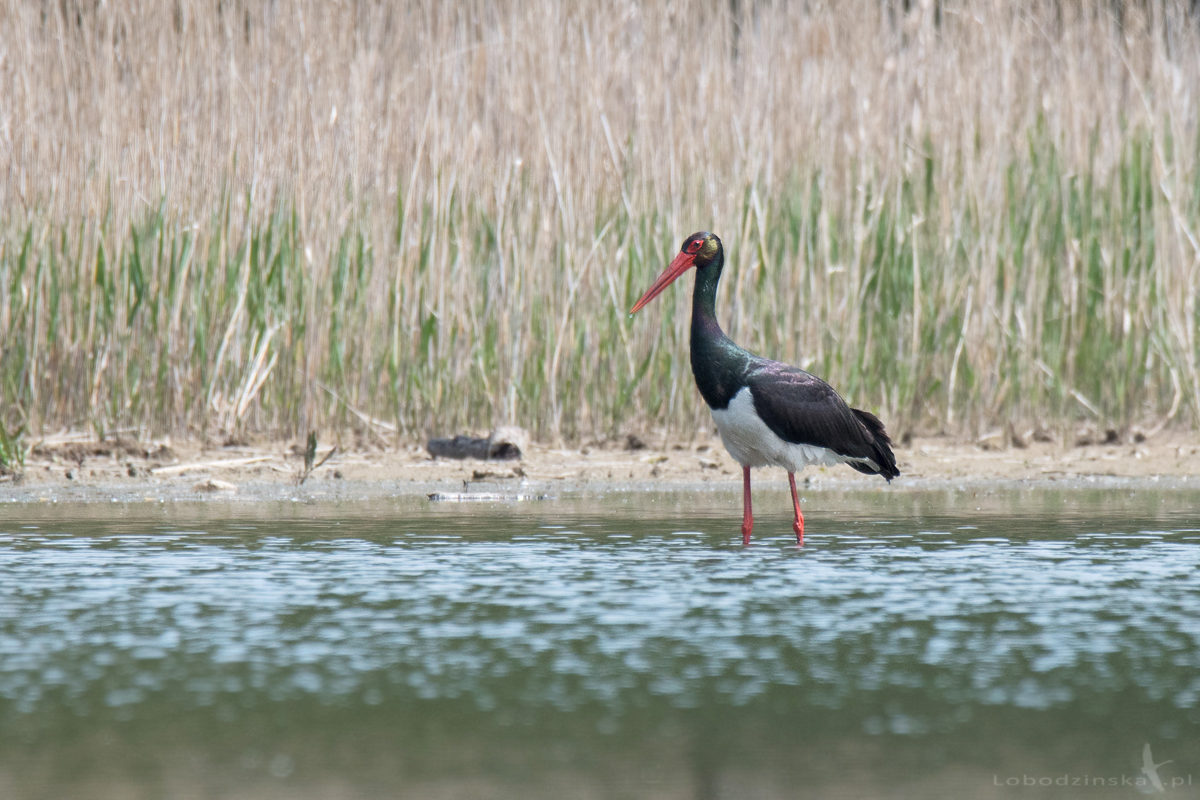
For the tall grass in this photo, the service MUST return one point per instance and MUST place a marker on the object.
(250, 217)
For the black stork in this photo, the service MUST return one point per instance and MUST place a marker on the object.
(768, 413)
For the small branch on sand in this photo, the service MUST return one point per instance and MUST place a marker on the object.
(175, 469)
(310, 458)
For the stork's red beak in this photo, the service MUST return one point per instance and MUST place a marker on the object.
(681, 264)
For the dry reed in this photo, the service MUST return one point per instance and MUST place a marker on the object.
(246, 216)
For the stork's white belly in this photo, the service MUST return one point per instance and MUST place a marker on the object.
(753, 444)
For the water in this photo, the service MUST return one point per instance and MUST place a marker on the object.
(921, 644)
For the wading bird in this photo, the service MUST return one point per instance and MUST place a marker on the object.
(768, 413)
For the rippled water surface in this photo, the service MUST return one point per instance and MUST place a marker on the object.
(936, 645)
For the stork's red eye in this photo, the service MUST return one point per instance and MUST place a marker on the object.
(694, 246)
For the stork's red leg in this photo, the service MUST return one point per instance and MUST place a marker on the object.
(798, 525)
(747, 516)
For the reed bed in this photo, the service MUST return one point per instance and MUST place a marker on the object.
(244, 217)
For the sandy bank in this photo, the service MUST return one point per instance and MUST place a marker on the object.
(79, 469)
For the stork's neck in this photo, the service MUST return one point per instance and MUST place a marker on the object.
(720, 366)
(704, 304)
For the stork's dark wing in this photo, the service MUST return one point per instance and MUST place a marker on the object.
(803, 409)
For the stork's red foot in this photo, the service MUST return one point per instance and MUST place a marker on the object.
(798, 525)
(747, 516)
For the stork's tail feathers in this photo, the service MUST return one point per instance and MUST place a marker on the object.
(883, 461)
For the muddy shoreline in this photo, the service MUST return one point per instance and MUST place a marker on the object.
(74, 469)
